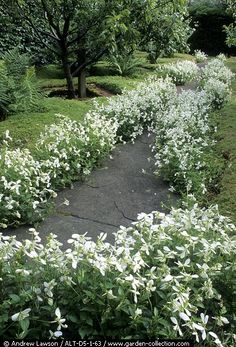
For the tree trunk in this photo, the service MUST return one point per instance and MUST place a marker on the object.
(82, 72)
(82, 84)
(69, 79)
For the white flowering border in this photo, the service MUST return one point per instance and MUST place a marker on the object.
(200, 56)
(184, 146)
(67, 150)
(165, 276)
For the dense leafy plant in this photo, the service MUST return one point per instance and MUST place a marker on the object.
(166, 29)
(180, 72)
(123, 64)
(215, 79)
(163, 277)
(200, 56)
(217, 69)
(19, 89)
(138, 109)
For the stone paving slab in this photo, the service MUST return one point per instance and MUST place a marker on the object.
(111, 196)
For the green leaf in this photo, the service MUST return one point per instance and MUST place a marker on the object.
(15, 298)
(73, 318)
(25, 324)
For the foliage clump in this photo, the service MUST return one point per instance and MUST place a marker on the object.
(19, 90)
(200, 56)
(184, 145)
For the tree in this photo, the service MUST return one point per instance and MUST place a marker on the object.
(71, 29)
(231, 29)
(83, 31)
(166, 28)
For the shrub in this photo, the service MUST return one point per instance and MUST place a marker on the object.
(180, 72)
(200, 56)
(163, 277)
(221, 57)
(184, 146)
(216, 69)
(25, 188)
(181, 140)
(216, 79)
(218, 92)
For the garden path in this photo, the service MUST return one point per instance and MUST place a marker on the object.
(111, 196)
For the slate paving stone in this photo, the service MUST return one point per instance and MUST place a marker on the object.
(112, 196)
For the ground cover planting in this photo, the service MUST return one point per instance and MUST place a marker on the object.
(168, 275)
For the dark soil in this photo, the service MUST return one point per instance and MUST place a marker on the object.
(93, 91)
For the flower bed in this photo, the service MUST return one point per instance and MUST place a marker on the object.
(168, 276)
(68, 150)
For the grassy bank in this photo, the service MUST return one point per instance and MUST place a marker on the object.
(226, 145)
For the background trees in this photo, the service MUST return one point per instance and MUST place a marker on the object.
(166, 28)
(210, 17)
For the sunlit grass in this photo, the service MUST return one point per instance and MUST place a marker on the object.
(226, 199)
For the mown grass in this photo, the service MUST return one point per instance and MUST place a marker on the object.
(226, 146)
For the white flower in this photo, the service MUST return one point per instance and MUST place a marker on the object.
(66, 202)
(21, 315)
(168, 278)
(184, 316)
(60, 321)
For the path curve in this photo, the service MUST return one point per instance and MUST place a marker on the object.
(112, 196)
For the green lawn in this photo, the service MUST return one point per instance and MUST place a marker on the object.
(25, 128)
(226, 146)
